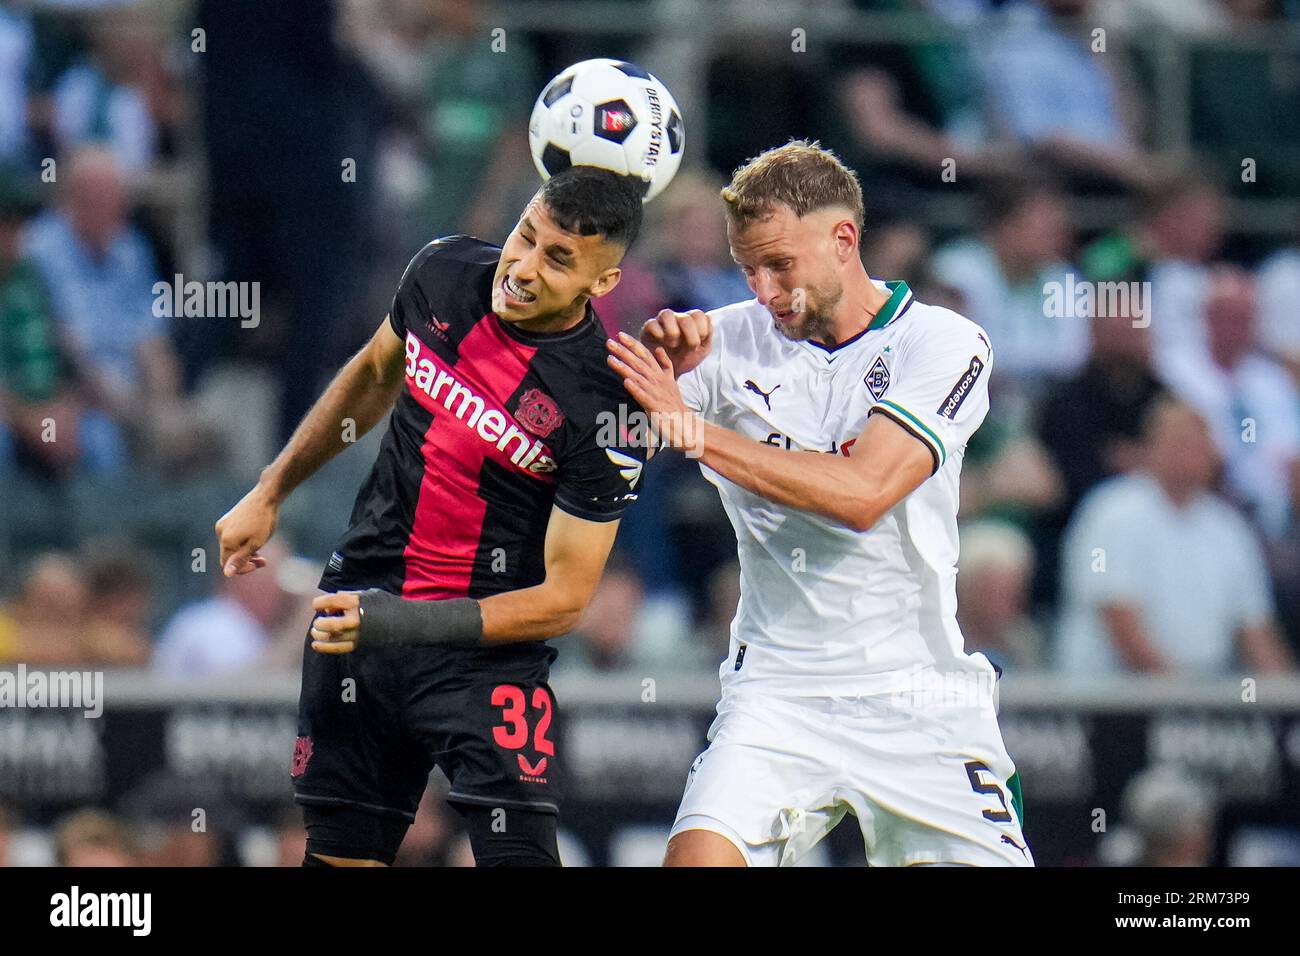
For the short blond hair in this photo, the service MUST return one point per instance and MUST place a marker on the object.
(802, 175)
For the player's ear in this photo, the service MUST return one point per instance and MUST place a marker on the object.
(846, 238)
(605, 283)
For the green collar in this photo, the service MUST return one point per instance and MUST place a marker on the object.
(899, 298)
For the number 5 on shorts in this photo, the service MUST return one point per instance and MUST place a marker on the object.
(973, 769)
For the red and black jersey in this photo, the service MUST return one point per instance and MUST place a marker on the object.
(495, 426)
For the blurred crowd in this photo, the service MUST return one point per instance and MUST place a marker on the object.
(1132, 502)
(170, 822)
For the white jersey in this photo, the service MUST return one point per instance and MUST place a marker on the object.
(825, 610)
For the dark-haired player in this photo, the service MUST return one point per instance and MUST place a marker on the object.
(490, 512)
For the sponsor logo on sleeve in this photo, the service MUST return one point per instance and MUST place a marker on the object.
(952, 403)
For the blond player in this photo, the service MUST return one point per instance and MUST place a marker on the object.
(832, 412)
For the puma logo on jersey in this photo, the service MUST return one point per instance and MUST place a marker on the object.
(751, 386)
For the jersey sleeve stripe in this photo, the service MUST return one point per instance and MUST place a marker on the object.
(914, 425)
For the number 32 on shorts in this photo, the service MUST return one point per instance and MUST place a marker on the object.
(513, 733)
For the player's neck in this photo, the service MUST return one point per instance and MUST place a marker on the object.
(856, 310)
(559, 322)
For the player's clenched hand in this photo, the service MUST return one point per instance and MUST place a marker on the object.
(337, 624)
(243, 529)
(685, 336)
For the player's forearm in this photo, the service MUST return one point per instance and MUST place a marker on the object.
(530, 614)
(353, 402)
(827, 485)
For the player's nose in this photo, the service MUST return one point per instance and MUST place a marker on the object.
(526, 269)
(765, 289)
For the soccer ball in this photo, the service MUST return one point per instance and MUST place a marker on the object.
(611, 114)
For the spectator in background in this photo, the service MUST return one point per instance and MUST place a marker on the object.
(1160, 575)
(913, 111)
(100, 273)
(1249, 400)
(80, 612)
(475, 118)
(1278, 294)
(1011, 476)
(104, 99)
(693, 259)
(997, 565)
(283, 111)
(1229, 128)
(16, 44)
(161, 810)
(1004, 275)
(1284, 559)
(44, 622)
(229, 631)
(1179, 231)
(605, 638)
(34, 388)
(119, 602)
(897, 247)
(466, 98)
(1091, 423)
(1055, 95)
(92, 838)
(1090, 427)
(1167, 819)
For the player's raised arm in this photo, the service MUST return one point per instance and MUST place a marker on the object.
(363, 390)
(896, 451)
(575, 553)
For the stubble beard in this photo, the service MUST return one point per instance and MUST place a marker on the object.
(816, 321)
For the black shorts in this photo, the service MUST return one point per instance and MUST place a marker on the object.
(372, 724)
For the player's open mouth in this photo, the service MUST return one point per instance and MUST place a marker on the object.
(513, 291)
(785, 316)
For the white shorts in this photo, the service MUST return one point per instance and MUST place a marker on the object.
(926, 784)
